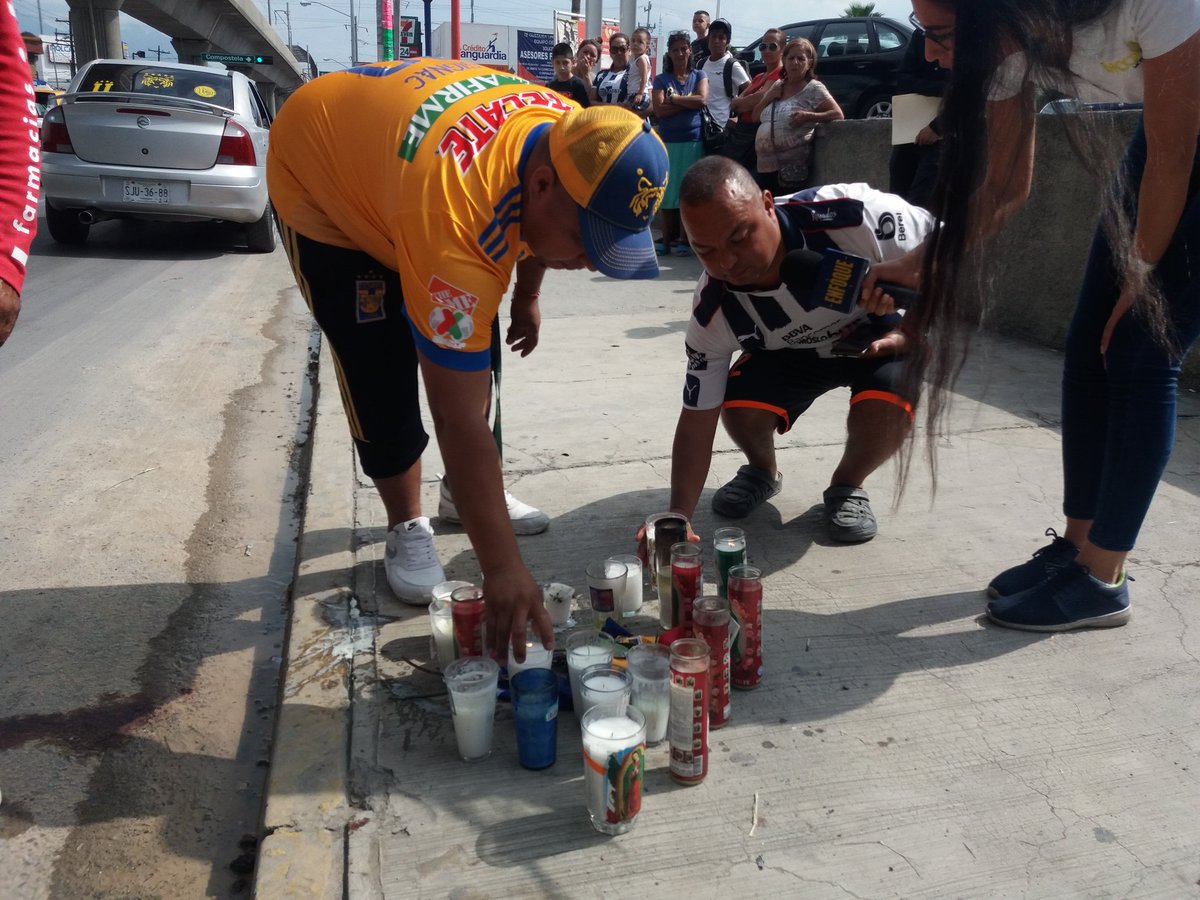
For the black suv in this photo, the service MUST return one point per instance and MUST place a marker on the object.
(858, 59)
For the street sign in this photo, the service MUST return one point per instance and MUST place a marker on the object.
(237, 58)
(408, 31)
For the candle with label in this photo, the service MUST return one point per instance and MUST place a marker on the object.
(614, 767)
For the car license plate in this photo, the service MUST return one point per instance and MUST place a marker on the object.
(146, 192)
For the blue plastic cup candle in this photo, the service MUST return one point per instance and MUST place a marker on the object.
(535, 709)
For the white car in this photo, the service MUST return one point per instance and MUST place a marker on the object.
(160, 141)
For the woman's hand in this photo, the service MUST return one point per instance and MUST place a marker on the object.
(1124, 304)
(802, 117)
(927, 136)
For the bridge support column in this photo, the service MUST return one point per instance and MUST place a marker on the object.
(189, 49)
(270, 95)
(96, 27)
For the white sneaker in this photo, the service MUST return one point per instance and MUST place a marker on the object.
(411, 563)
(525, 519)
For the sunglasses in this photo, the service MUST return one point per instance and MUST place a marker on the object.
(613, 48)
(771, 46)
(943, 37)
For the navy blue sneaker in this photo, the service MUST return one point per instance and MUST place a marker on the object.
(1034, 571)
(1069, 599)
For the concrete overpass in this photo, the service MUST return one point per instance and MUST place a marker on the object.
(195, 27)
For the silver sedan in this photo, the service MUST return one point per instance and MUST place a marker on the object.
(160, 141)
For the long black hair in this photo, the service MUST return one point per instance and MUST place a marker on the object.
(985, 33)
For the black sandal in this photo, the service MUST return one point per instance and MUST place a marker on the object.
(746, 492)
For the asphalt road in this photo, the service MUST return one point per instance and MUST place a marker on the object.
(154, 412)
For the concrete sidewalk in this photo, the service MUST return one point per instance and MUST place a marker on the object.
(899, 746)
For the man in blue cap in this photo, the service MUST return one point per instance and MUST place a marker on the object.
(407, 193)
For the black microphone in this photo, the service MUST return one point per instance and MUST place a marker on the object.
(833, 279)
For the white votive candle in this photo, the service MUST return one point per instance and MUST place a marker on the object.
(580, 658)
(536, 657)
(601, 738)
(605, 686)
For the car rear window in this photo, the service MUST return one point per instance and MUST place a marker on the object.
(216, 87)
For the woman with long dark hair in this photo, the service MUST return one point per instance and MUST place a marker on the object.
(1138, 310)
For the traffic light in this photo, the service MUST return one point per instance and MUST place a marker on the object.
(263, 60)
(140, 54)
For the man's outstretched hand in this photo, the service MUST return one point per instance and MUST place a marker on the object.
(513, 602)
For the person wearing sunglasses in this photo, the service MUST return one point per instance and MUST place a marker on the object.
(1138, 309)
(611, 85)
(739, 145)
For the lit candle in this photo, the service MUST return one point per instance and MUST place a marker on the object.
(536, 657)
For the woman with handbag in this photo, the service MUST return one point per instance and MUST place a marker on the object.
(789, 112)
(677, 97)
(739, 142)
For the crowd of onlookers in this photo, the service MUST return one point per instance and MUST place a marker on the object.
(703, 101)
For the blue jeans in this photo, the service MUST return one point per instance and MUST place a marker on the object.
(1118, 414)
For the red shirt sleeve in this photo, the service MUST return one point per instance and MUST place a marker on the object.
(20, 159)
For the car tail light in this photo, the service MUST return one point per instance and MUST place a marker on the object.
(55, 138)
(236, 147)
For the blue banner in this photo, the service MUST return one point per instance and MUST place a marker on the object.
(533, 56)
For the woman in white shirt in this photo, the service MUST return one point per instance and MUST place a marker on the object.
(1138, 310)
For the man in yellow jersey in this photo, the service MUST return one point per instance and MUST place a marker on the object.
(407, 193)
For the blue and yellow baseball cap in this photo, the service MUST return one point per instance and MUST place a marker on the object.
(615, 167)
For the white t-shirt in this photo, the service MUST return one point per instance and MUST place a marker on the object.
(718, 101)
(1106, 56)
(854, 218)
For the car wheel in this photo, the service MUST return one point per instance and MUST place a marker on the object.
(260, 235)
(878, 107)
(65, 226)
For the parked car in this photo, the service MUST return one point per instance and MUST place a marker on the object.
(159, 141)
(858, 59)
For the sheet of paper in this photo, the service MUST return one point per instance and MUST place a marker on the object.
(911, 113)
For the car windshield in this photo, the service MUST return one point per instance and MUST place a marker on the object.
(215, 87)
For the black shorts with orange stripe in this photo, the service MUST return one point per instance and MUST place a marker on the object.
(786, 382)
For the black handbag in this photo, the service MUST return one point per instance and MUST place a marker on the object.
(711, 134)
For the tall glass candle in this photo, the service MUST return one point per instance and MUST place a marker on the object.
(663, 530)
(746, 603)
(466, 610)
(585, 649)
(614, 766)
(650, 667)
(710, 619)
(441, 623)
(629, 602)
(729, 545)
(472, 686)
(688, 728)
(687, 579)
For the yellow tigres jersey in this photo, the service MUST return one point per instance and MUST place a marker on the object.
(417, 163)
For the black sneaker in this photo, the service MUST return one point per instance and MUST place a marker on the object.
(1071, 598)
(1044, 563)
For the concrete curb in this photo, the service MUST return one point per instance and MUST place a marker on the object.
(306, 806)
